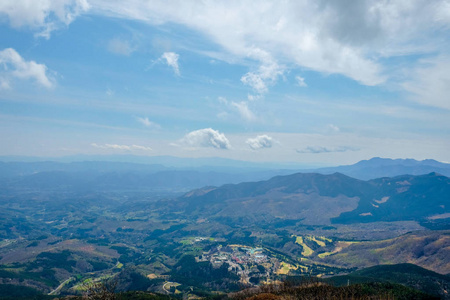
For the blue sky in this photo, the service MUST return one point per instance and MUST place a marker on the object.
(317, 82)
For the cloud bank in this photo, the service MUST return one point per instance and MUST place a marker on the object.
(352, 39)
(332, 37)
(295, 32)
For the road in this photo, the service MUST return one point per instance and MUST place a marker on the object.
(164, 286)
(61, 285)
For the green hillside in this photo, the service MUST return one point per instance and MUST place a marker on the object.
(408, 275)
(426, 249)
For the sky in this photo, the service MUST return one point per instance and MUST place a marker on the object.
(321, 82)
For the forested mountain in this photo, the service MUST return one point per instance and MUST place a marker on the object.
(325, 199)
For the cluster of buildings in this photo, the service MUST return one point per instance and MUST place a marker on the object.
(243, 260)
(234, 254)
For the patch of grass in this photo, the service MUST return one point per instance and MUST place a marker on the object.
(306, 250)
(318, 242)
(325, 254)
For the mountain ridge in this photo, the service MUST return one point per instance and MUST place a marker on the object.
(400, 198)
(377, 167)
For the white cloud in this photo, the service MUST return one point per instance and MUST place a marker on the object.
(13, 65)
(222, 115)
(267, 73)
(333, 128)
(260, 142)
(138, 147)
(171, 59)
(328, 36)
(43, 16)
(147, 123)
(255, 81)
(223, 100)
(120, 46)
(430, 83)
(243, 110)
(319, 149)
(241, 107)
(206, 137)
(122, 147)
(109, 92)
(301, 81)
(253, 97)
(294, 32)
(4, 84)
(332, 37)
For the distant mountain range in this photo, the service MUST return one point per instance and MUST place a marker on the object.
(190, 173)
(106, 176)
(385, 167)
(202, 163)
(311, 197)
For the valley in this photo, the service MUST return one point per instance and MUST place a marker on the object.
(222, 238)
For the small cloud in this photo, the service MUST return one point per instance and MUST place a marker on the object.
(121, 147)
(222, 115)
(15, 66)
(318, 149)
(255, 81)
(119, 46)
(301, 81)
(171, 59)
(244, 111)
(260, 142)
(109, 92)
(4, 84)
(241, 107)
(206, 137)
(333, 128)
(223, 100)
(138, 147)
(147, 123)
(267, 73)
(253, 97)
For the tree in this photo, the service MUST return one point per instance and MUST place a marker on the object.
(103, 290)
